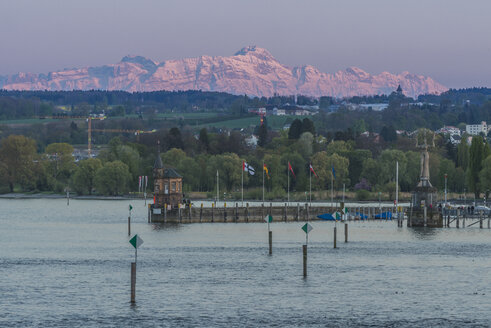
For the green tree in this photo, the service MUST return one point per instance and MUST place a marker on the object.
(17, 155)
(263, 135)
(203, 139)
(295, 129)
(463, 154)
(59, 162)
(84, 176)
(485, 175)
(308, 126)
(475, 164)
(113, 178)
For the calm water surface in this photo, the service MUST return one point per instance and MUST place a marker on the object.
(69, 266)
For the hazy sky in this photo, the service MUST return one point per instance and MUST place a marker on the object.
(445, 39)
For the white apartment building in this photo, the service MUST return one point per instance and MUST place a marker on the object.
(476, 129)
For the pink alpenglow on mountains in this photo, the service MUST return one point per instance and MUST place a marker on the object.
(252, 71)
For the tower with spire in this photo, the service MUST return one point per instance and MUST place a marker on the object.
(167, 188)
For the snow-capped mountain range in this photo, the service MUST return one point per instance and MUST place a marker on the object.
(252, 71)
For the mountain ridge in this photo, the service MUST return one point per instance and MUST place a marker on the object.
(251, 70)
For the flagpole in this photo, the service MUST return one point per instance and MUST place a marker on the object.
(310, 185)
(332, 182)
(218, 186)
(288, 171)
(263, 183)
(242, 183)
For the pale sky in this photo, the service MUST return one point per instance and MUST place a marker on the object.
(449, 40)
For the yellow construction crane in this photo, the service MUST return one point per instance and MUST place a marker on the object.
(89, 122)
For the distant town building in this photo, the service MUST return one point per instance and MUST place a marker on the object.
(449, 130)
(476, 129)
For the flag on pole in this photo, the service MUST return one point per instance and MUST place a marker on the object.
(291, 169)
(312, 170)
(139, 183)
(265, 169)
(146, 181)
(247, 168)
(333, 172)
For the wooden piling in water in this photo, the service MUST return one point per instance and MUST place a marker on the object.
(201, 213)
(247, 212)
(304, 248)
(346, 232)
(480, 221)
(133, 282)
(335, 236)
(285, 213)
(225, 212)
(129, 225)
(165, 213)
(236, 212)
(457, 222)
(212, 212)
(270, 235)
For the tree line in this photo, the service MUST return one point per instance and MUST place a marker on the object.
(365, 164)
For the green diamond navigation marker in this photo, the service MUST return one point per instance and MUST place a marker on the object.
(268, 219)
(130, 207)
(136, 241)
(345, 210)
(307, 228)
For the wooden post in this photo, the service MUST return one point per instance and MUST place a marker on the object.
(457, 223)
(463, 222)
(298, 212)
(236, 212)
(179, 211)
(335, 237)
(165, 213)
(271, 209)
(201, 213)
(262, 211)
(212, 211)
(270, 242)
(247, 212)
(346, 232)
(305, 213)
(480, 221)
(304, 247)
(129, 225)
(448, 220)
(133, 281)
(189, 212)
(224, 212)
(286, 210)
(489, 223)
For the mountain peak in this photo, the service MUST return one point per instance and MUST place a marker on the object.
(138, 60)
(254, 51)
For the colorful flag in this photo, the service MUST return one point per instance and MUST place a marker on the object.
(247, 168)
(312, 170)
(291, 169)
(333, 172)
(265, 169)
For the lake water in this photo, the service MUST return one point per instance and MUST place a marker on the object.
(69, 266)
